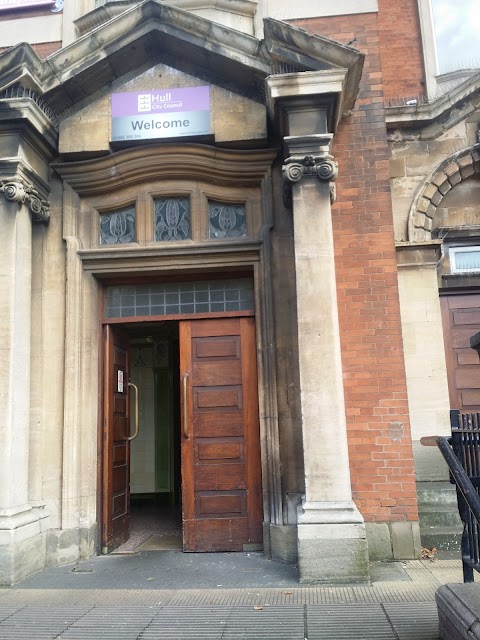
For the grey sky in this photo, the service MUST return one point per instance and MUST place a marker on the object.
(457, 24)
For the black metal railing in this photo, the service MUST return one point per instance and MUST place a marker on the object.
(462, 454)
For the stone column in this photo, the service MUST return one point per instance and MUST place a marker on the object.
(19, 204)
(332, 543)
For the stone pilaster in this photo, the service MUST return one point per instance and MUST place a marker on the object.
(332, 543)
(19, 523)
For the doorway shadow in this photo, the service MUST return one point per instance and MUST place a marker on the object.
(155, 525)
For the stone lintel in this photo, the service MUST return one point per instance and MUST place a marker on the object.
(418, 254)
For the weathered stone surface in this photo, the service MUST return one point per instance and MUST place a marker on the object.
(233, 117)
(423, 205)
(419, 220)
(439, 179)
(418, 165)
(437, 197)
(405, 540)
(429, 191)
(459, 611)
(397, 167)
(21, 559)
(444, 187)
(283, 541)
(332, 553)
(431, 211)
(379, 541)
(427, 224)
(406, 187)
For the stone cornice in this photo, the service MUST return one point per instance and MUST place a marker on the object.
(34, 121)
(226, 167)
(23, 193)
(281, 38)
(110, 10)
(150, 31)
(428, 121)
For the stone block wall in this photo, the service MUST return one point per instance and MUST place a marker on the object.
(380, 450)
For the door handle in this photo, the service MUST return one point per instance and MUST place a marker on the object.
(186, 434)
(135, 415)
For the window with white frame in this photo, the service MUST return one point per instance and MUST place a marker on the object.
(464, 259)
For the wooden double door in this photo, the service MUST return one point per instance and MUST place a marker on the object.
(220, 445)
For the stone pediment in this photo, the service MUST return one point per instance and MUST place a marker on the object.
(152, 32)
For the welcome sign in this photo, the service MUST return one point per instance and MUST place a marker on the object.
(168, 113)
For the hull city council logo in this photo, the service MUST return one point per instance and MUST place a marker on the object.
(169, 113)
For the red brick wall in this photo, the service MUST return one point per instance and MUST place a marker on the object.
(380, 448)
(43, 49)
(401, 49)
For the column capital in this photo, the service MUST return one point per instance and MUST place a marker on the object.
(310, 157)
(19, 190)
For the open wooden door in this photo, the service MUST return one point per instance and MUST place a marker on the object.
(116, 446)
(221, 474)
(461, 320)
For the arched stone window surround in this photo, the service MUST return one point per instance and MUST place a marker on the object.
(457, 167)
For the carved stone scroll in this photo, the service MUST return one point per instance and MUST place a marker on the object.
(23, 193)
(322, 167)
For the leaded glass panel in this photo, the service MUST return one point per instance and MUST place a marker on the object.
(118, 227)
(172, 219)
(178, 298)
(226, 220)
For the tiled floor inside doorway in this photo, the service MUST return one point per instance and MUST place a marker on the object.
(153, 527)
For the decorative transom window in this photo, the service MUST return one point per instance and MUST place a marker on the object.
(166, 218)
(465, 259)
(118, 227)
(179, 298)
(172, 219)
(226, 220)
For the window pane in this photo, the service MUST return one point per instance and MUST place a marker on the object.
(467, 260)
(171, 299)
(117, 227)
(172, 219)
(226, 220)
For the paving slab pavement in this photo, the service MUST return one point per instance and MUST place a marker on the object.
(154, 595)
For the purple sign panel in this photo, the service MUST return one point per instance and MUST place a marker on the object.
(168, 113)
